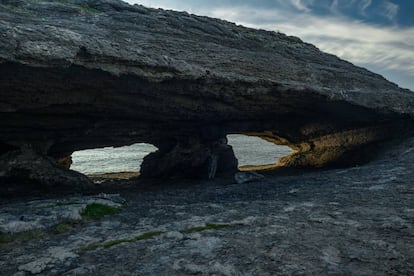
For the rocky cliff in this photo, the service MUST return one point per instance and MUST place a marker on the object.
(78, 74)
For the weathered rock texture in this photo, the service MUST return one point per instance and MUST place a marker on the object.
(25, 170)
(78, 74)
(350, 221)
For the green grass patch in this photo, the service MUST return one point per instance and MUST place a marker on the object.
(208, 226)
(22, 236)
(96, 211)
(145, 236)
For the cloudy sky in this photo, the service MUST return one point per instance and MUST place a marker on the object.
(376, 34)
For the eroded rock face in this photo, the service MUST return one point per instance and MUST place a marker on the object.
(337, 222)
(191, 158)
(79, 74)
(25, 169)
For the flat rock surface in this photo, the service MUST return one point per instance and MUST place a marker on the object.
(43, 214)
(85, 74)
(355, 221)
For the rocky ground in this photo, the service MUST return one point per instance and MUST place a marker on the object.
(82, 74)
(85, 74)
(354, 221)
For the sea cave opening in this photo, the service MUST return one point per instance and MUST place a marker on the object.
(252, 153)
(111, 162)
(255, 153)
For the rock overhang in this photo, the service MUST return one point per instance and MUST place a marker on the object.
(120, 74)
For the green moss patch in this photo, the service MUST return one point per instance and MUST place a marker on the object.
(145, 236)
(152, 234)
(63, 227)
(36, 234)
(89, 9)
(5, 238)
(96, 211)
(22, 236)
(208, 226)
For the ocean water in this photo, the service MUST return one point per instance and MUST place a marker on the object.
(256, 151)
(248, 150)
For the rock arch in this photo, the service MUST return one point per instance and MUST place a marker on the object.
(255, 153)
(111, 161)
(182, 83)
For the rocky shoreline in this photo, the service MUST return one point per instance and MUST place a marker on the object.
(354, 221)
(84, 74)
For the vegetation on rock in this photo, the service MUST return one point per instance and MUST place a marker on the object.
(95, 211)
(152, 234)
(63, 227)
(144, 236)
(22, 236)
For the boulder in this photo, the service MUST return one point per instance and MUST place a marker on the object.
(191, 158)
(25, 169)
(81, 74)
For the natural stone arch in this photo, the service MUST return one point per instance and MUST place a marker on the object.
(107, 161)
(344, 148)
(255, 153)
(67, 84)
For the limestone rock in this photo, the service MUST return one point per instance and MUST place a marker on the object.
(334, 224)
(79, 74)
(191, 158)
(46, 214)
(26, 169)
